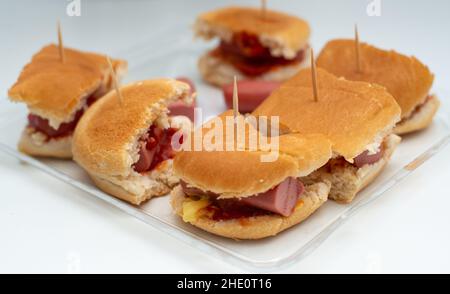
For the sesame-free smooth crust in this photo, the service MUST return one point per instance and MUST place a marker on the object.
(243, 173)
(106, 136)
(350, 114)
(53, 89)
(405, 78)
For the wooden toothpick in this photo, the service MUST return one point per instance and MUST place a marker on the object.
(60, 44)
(314, 76)
(263, 9)
(114, 80)
(357, 50)
(235, 99)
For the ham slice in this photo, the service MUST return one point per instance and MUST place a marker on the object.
(181, 108)
(366, 158)
(281, 199)
(42, 125)
(65, 129)
(250, 57)
(192, 191)
(145, 158)
(251, 93)
(154, 148)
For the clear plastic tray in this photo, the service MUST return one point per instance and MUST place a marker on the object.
(263, 255)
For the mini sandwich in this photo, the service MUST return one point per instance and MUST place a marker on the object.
(357, 117)
(253, 45)
(57, 93)
(406, 78)
(236, 195)
(125, 142)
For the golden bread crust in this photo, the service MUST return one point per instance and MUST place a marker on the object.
(56, 90)
(420, 120)
(105, 139)
(242, 173)
(350, 114)
(406, 78)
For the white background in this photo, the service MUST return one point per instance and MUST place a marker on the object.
(48, 226)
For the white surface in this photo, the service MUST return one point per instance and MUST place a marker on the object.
(47, 226)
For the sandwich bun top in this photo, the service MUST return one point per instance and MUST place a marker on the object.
(353, 115)
(105, 141)
(406, 78)
(56, 90)
(282, 33)
(236, 174)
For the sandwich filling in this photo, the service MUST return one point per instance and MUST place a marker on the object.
(347, 177)
(42, 125)
(155, 147)
(246, 53)
(368, 158)
(365, 158)
(280, 200)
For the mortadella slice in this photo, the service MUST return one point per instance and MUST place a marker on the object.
(181, 108)
(366, 158)
(192, 191)
(281, 199)
(145, 158)
(251, 93)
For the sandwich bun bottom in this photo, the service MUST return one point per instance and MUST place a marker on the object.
(163, 178)
(34, 143)
(347, 181)
(261, 226)
(421, 119)
(158, 189)
(218, 72)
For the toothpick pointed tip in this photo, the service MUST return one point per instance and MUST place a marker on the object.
(109, 62)
(264, 9)
(235, 98)
(60, 42)
(314, 75)
(357, 50)
(114, 80)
